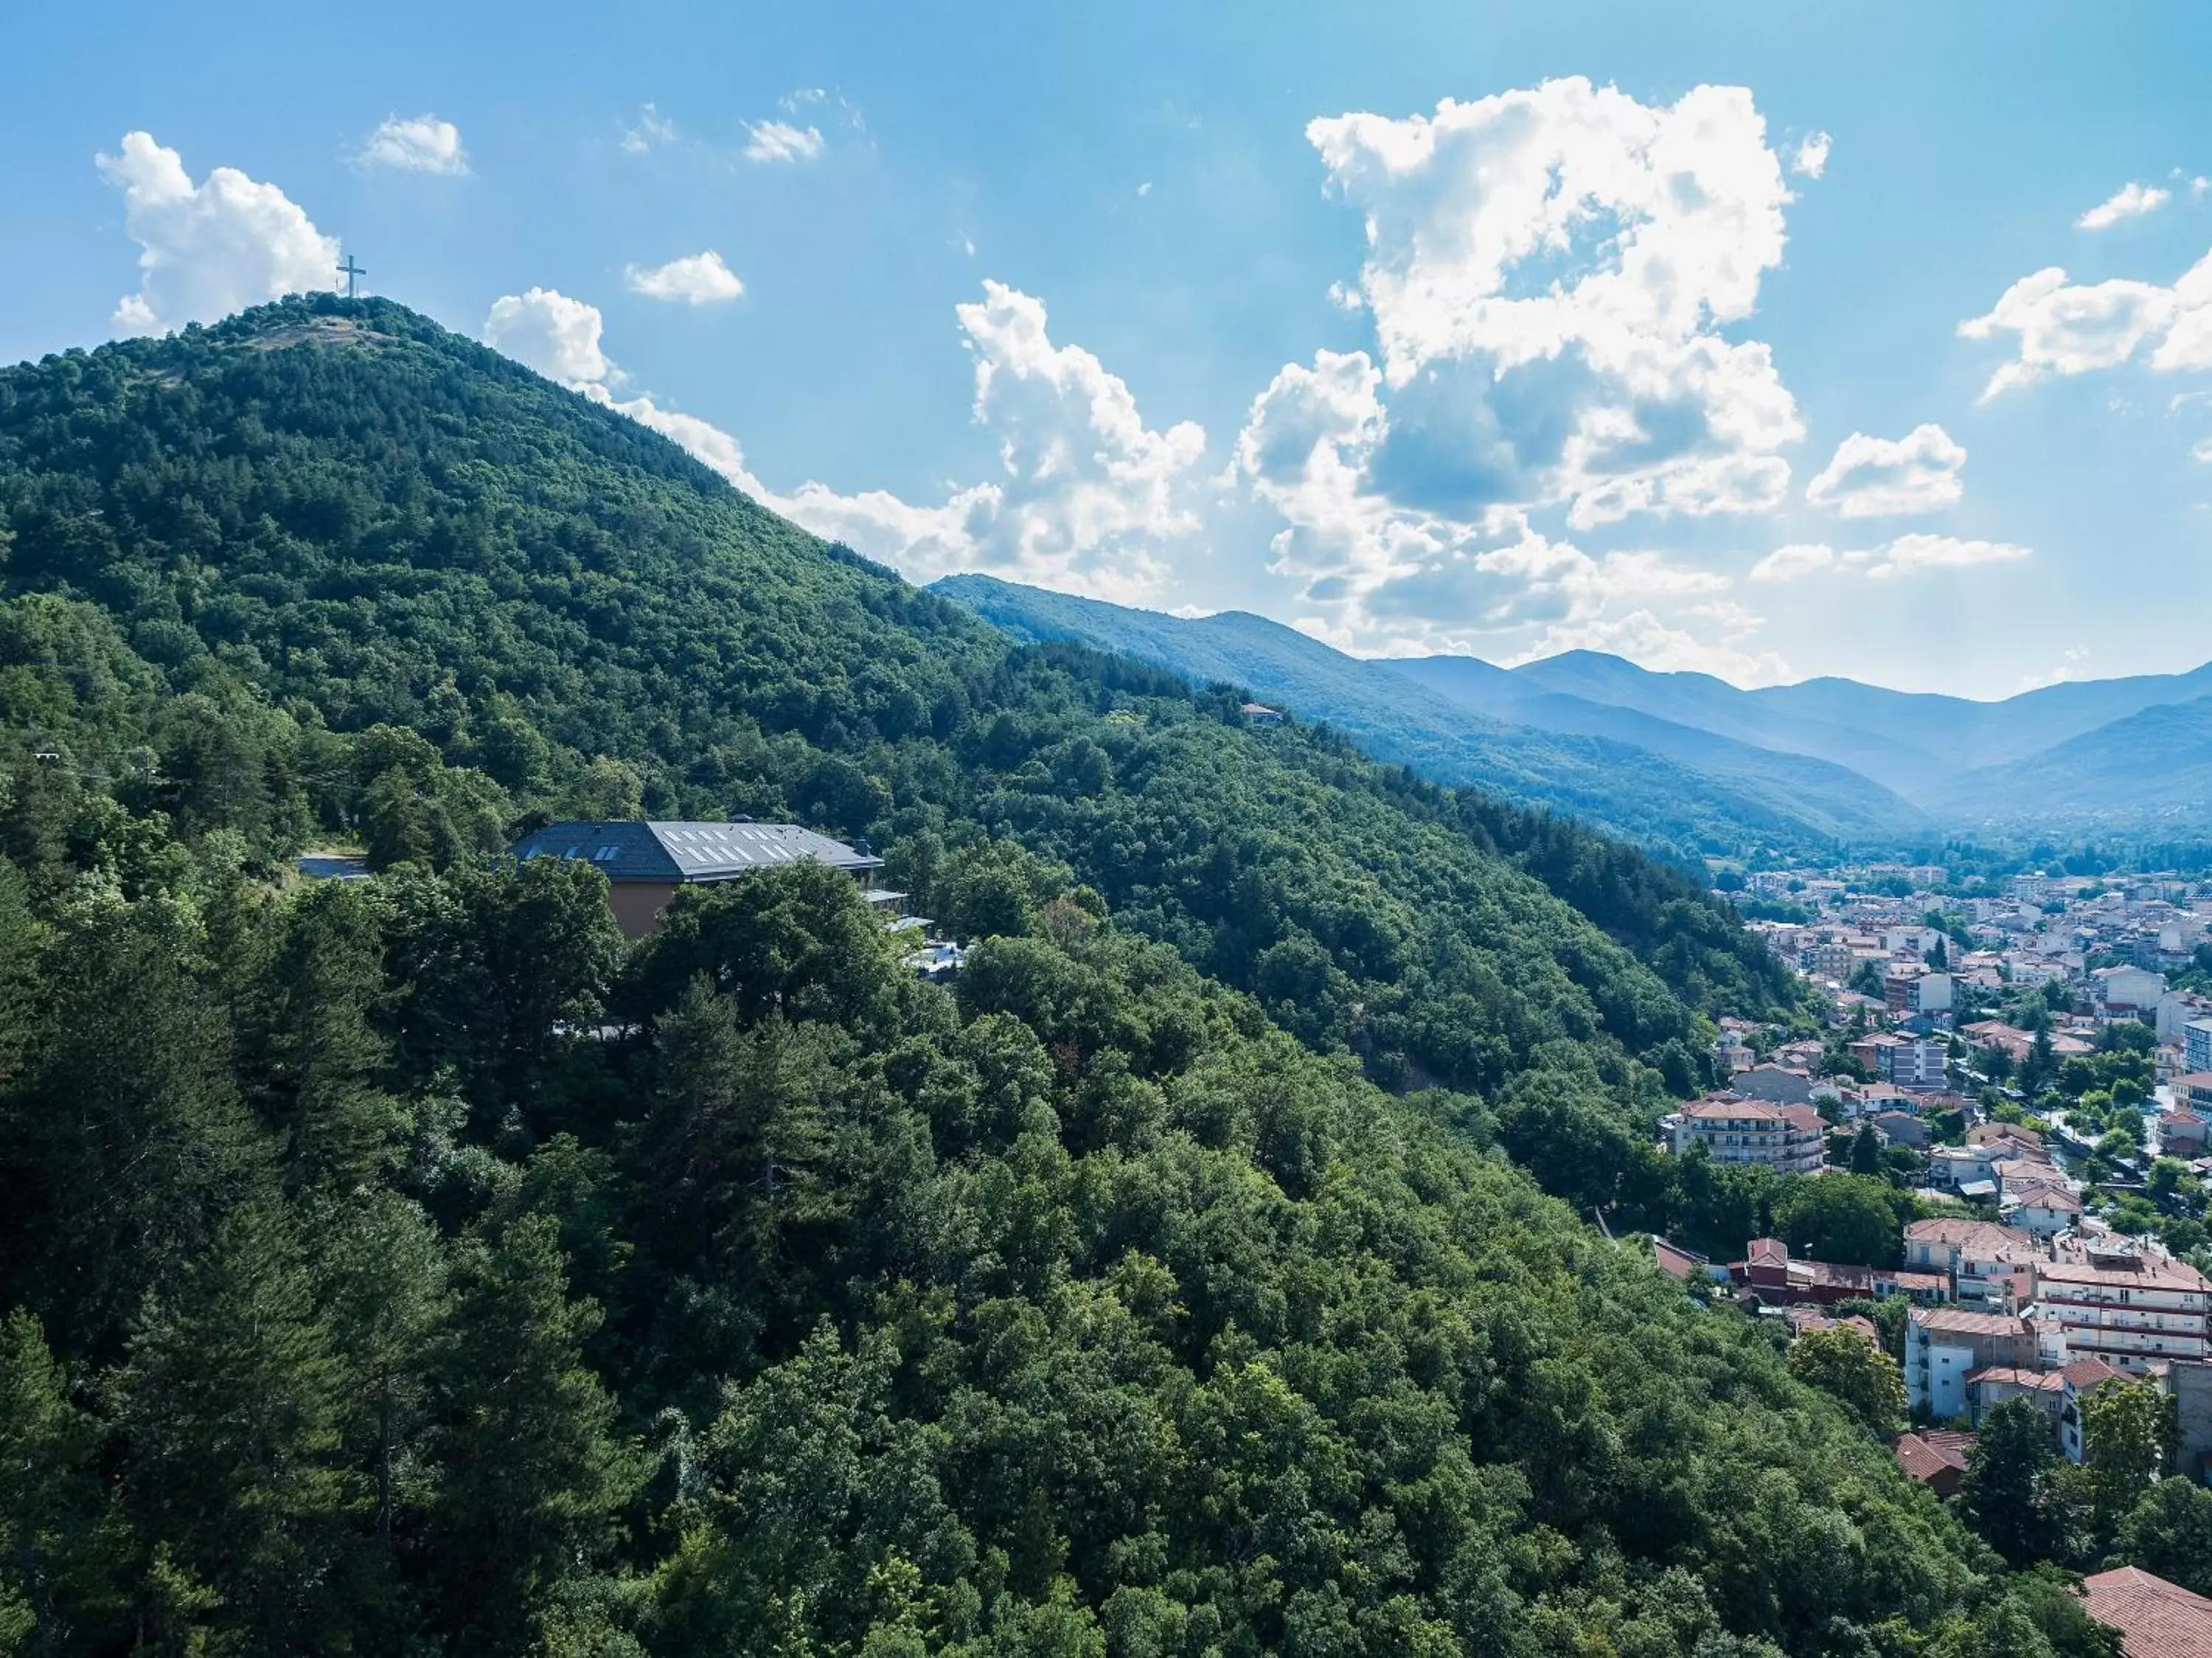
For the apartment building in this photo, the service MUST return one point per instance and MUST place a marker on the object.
(1738, 1130)
(2197, 1045)
(1911, 991)
(1945, 1345)
(1910, 1064)
(2128, 1306)
(1980, 1258)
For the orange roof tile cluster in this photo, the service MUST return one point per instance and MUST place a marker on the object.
(2042, 1381)
(1987, 1236)
(2155, 1619)
(1957, 1321)
(2087, 1376)
(1923, 1462)
(1723, 1110)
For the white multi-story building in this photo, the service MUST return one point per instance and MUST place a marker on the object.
(1915, 1064)
(2126, 989)
(2197, 1045)
(2126, 1306)
(1944, 1345)
(1736, 1131)
(1981, 1258)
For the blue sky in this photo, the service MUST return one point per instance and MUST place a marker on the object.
(1086, 295)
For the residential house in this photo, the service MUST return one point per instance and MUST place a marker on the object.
(2125, 1302)
(1944, 1345)
(2077, 1381)
(1935, 1458)
(2176, 1011)
(1916, 1064)
(645, 863)
(2155, 1619)
(1901, 1128)
(1685, 1265)
(1967, 1170)
(1921, 1289)
(2182, 1133)
(2011, 1173)
(2016, 1044)
(1261, 713)
(2014, 1140)
(1782, 1085)
(2188, 1383)
(1979, 1257)
(2043, 1208)
(1910, 990)
(2125, 992)
(1734, 1129)
(1775, 1279)
(1987, 1389)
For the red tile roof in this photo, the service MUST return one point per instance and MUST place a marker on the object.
(2047, 1381)
(1923, 1462)
(1968, 1234)
(1677, 1262)
(1958, 1321)
(2087, 1376)
(2155, 1619)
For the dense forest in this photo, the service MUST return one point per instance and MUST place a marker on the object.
(413, 1265)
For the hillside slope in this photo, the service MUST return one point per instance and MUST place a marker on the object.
(1980, 734)
(364, 1303)
(2150, 767)
(253, 567)
(1630, 777)
(1714, 705)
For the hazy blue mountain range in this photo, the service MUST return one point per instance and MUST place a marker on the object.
(1672, 786)
(1690, 761)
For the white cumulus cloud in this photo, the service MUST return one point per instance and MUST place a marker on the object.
(1788, 564)
(1907, 555)
(1882, 477)
(1811, 158)
(208, 249)
(418, 143)
(1548, 271)
(2060, 327)
(549, 332)
(1087, 495)
(2131, 201)
(781, 141)
(694, 279)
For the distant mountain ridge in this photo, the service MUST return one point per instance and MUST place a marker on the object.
(1674, 786)
(1686, 759)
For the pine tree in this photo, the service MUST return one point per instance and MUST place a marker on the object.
(129, 1141)
(323, 985)
(229, 1406)
(534, 1472)
(62, 1549)
(389, 1303)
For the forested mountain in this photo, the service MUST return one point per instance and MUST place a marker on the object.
(1461, 720)
(1714, 705)
(2153, 765)
(412, 1267)
(2120, 753)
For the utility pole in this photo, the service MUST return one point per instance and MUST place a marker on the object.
(350, 270)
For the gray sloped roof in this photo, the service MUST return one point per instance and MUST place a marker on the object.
(634, 850)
